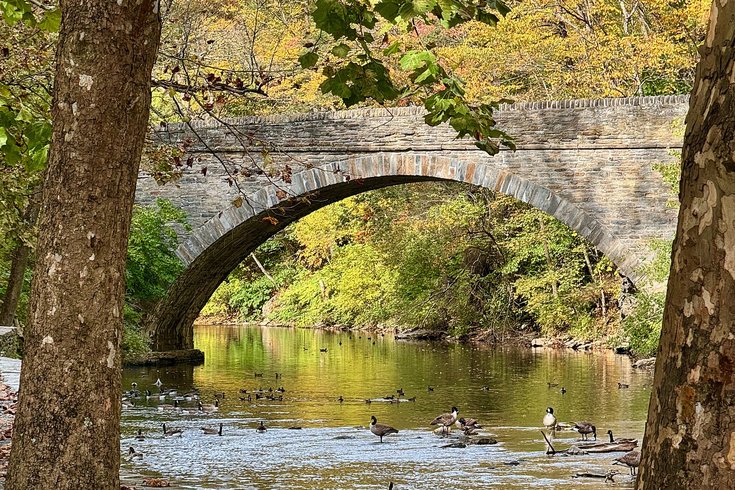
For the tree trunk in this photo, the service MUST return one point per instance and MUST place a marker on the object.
(690, 434)
(18, 268)
(66, 433)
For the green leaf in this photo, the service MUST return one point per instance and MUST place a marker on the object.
(308, 59)
(51, 21)
(392, 49)
(341, 50)
(331, 17)
(388, 9)
(415, 59)
(3, 137)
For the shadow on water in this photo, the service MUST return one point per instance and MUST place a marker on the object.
(505, 389)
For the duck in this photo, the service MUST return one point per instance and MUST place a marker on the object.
(380, 430)
(550, 419)
(261, 427)
(621, 439)
(586, 428)
(632, 460)
(139, 436)
(133, 454)
(209, 408)
(211, 431)
(446, 419)
(171, 432)
(465, 424)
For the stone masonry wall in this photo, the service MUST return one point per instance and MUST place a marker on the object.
(596, 155)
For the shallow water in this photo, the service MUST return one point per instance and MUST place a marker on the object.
(505, 389)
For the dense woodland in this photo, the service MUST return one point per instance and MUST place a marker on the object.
(449, 257)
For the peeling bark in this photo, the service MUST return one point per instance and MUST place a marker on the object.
(690, 433)
(66, 433)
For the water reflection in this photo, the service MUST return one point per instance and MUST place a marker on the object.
(506, 389)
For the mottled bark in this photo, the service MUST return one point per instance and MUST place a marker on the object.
(690, 434)
(66, 433)
(18, 266)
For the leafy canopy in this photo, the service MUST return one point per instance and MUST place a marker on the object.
(361, 70)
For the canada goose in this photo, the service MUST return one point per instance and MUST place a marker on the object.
(140, 436)
(148, 394)
(211, 431)
(171, 432)
(485, 388)
(278, 375)
(261, 427)
(324, 349)
(246, 398)
(429, 388)
(632, 460)
(446, 419)
(340, 399)
(220, 395)
(400, 392)
(550, 419)
(167, 406)
(368, 400)
(619, 440)
(191, 395)
(380, 430)
(133, 454)
(622, 386)
(281, 390)
(563, 390)
(464, 423)
(586, 428)
(258, 375)
(552, 385)
(158, 383)
(209, 408)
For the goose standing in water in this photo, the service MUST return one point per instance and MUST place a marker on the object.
(550, 419)
(209, 408)
(139, 436)
(632, 460)
(211, 431)
(261, 427)
(380, 430)
(171, 432)
(586, 428)
(446, 419)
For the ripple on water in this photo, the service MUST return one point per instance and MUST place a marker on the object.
(330, 453)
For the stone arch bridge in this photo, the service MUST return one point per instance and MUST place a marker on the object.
(589, 163)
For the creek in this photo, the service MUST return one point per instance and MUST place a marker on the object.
(505, 389)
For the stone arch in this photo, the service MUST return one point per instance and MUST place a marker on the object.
(217, 247)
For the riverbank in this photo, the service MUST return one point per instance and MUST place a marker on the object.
(521, 337)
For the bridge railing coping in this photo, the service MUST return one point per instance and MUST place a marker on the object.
(372, 112)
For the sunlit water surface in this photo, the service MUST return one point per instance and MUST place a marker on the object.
(505, 389)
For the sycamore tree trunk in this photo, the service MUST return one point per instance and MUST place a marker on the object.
(690, 434)
(66, 433)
